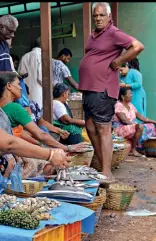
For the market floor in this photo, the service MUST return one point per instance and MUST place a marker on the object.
(115, 226)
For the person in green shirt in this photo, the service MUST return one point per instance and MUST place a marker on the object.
(10, 90)
(17, 114)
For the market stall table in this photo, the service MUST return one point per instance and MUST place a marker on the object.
(65, 214)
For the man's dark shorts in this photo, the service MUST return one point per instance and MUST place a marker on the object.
(98, 106)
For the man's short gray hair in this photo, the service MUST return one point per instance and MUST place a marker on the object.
(9, 21)
(104, 4)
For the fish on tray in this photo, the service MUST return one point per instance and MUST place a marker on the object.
(81, 170)
(63, 185)
(59, 186)
(62, 175)
(66, 194)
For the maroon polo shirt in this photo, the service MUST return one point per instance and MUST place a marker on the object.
(95, 73)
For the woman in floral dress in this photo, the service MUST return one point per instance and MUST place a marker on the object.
(125, 125)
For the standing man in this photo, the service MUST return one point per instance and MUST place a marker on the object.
(31, 64)
(98, 79)
(8, 26)
(60, 70)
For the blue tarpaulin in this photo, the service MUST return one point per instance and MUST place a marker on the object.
(37, 179)
(65, 214)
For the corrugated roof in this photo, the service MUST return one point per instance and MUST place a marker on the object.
(3, 4)
(15, 8)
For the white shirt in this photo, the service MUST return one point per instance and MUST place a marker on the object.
(60, 71)
(59, 109)
(31, 64)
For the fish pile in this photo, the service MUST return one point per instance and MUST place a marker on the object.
(118, 146)
(98, 177)
(81, 170)
(65, 186)
(74, 186)
(65, 189)
(77, 173)
(86, 148)
(85, 171)
(61, 174)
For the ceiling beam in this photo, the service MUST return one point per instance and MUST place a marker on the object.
(33, 10)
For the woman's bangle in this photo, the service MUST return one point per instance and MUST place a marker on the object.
(51, 155)
(48, 155)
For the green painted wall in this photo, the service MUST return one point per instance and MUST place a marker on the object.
(29, 30)
(73, 14)
(138, 20)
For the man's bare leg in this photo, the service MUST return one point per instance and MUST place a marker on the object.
(106, 143)
(101, 139)
(94, 137)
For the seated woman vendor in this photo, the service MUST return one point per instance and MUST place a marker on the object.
(37, 117)
(62, 115)
(10, 91)
(125, 125)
